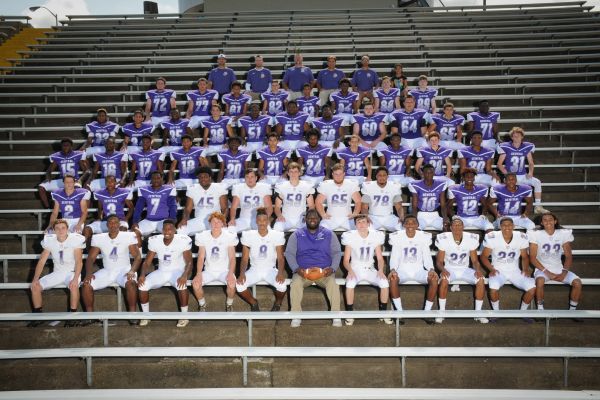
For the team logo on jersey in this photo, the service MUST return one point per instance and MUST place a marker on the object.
(368, 74)
(225, 73)
(303, 69)
(262, 75)
(334, 75)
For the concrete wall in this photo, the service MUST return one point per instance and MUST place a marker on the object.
(254, 5)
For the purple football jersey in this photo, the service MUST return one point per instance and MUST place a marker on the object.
(259, 79)
(428, 197)
(509, 203)
(354, 163)
(410, 123)
(423, 97)
(467, 201)
(447, 127)
(515, 160)
(101, 132)
(330, 79)
(256, 129)
(161, 101)
(217, 130)
(296, 77)
(484, 123)
(368, 125)
(187, 162)
(395, 159)
(68, 164)
(202, 101)
(135, 133)
(160, 203)
(476, 159)
(113, 204)
(70, 206)
(314, 159)
(275, 101)
(146, 163)
(175, 130)
(435, 158)
(387, 101)
(329, 129)
(234, 165)
(236, 104)
(365, 79)
(292, 125)
(110, 163)
(221, 79)
(273, 161)
(308, 105)
(343, 104)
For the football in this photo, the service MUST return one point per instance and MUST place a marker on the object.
(314, 273)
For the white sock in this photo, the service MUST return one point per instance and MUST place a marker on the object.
(573, 305)
(524, 306)
(540, 306)
(397, 303)
(428, 305)
(495, 305)
(145, 307)
(442, 304)
(537, 201)
(184, 309)
(229, 301)
(478, 304)
(202, 302)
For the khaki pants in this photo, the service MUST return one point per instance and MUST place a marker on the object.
(331, 289)
(324, 95)
(294, 95)
(255, 96)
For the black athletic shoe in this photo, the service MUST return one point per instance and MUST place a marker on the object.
(34, 324)
(276, 307)
(254, 307)
(578, 320)
(429, 321)
(71, 323)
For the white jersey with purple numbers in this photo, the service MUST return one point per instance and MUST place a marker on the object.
(435, 157)
(206, 201)
(457, 255)
(256, 129)
(115, 252)
(293, 198)
(68, 164)
(344, 104)
(251, 198)
(423, 98)
(110, 163)
(263, 249)
(146, 163)
(63, 253)
(187, 161)
(505, 256)
(160, 101)
(100, 132)
(550, 247)
(362, 254)
(354, 162)
(329, 129)
(234, 165)
(113, 203)
(467, 201)
(509, 203)
(217, 130)
(410, 253)
(338, 197)
(275, 101)
(175, 130)
(447, 127)
(236, 104)
(428, 197)
(273, 160)
(170, 257)
(157, 201)
(292, 125)
(484, 123)
(368, 126)
(395, 159)
(381, 200)
(410, 123)
(516, 159)
(387, 101)
(70, 205)
(476, 159)
(135, 133)
(216, 249)
(202, 101)
(308, 105)
(313, 159)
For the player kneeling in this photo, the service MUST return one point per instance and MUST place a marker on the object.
(66, 250)
(455, 249)
(116, 248)
(505, 247)
(546, 247)
(174, 266)
(411, 260)
(216, 254)
(361, 245)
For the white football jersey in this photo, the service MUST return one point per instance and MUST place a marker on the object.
(294, 198)
(170, 257)
(263, 253)
(206, 201)
(216, 249)
(456, 256)
(505, 256)
(363, 248)
(381, 199)
(115, 252)
(63, 253)
(550, 248)
(338, 197)
(251, 198)
(410, 253)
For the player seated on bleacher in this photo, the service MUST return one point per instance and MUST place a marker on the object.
(427, 197)
(133, 133)
(339, 194)
(293, 198)
(66, 161)
(248, 197)
(370, 128)
(254, 129)
(379, 199)
(449, 125)
(236, 102)
(437, 156)
(397, 159)
(315, 158)
(509, 196)
(272, 161)
(98, 132)
(274, 101)
(411, 123)
(216, 129)
(387, 97)
(72, 205)
(112, 200)
(471, 202)
(188, 158)
(291, 126)
(159, 103)
(233, 163)
(486, 122)
(108, 163)
(173, 130)
(344, 102)
(356, 160)
(331, 127)
(308, 103)
(512, 158)
(144, 163)
(480, 159)
(160, 203)
(199, 104)
(424, 95)
(399, 80)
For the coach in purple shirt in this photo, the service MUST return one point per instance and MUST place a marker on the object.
(295, 77)
(221, 78)
(364, 80)
(328, 80)
(308, 248)
(258, 79)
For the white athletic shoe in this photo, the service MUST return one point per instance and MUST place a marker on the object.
(540, 210)
(337, 323)
(144, 322)
(439, 320)
(349, 321)
(295, 323)
(182, 323)
(388, 321)
(482, 320)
